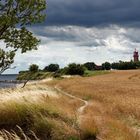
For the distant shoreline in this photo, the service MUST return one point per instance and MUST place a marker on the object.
(8, 80)
(12, 81)
(3, 75)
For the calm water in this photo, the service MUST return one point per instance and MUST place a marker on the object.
(7, 77)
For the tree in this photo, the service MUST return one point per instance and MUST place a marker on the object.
(33, 68)
(52, 68)
(115, 65)
(75, 69)
(138, 64)
(90, 65)
(106, 66)
(6, 59)
(125, 65)
(15, 16)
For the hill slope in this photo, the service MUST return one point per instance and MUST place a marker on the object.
(77, 108)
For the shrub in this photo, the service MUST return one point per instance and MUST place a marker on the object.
(106, 66)
(75, 69)
(33, 68)
(90, 65)
(52, 68)
(125, 65)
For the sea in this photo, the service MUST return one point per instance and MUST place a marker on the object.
(7, 77)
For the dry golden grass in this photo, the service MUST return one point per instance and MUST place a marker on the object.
(114, 102)
(38, 109)
(112, 113)
(68, 107)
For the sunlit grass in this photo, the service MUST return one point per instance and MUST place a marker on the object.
(39, 111)
(113, 97)
(47, 116)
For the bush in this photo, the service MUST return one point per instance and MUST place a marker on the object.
(106, 66)
(125, 65)
(90, 65)
(33, 68)
(52, 68)
(75, 69)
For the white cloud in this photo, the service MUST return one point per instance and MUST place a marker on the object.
(116, 43)
(67, 44)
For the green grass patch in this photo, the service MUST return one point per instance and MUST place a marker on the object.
(34, 76)
(95, 73)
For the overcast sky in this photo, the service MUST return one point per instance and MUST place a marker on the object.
(85, 30)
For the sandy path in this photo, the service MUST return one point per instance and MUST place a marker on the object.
(80, 110)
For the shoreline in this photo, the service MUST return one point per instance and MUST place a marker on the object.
(18, 83)
(12, 81)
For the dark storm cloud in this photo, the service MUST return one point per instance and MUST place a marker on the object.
(57, 33)
(93, 12)
(115, 37)
(75, 34)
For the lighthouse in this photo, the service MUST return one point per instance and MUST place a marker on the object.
(136, 56)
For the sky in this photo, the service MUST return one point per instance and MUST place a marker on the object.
(84, 31)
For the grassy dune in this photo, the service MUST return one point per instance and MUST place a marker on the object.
(40, 111)
(114, 103)
(37, 112)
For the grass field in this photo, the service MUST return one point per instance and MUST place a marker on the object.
(102, 107)
(95, 73)
(114, 102)
(37, 112)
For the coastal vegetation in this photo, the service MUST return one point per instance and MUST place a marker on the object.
(77, 102)
(86, 69)
(113, 102)
(40, 114)
(77, 108)
(54, 71)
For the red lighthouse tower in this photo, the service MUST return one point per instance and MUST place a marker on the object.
(136, 56)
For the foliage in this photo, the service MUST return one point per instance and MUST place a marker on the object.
(15, 15)
(106, 66)
(90, 65)
(33, 68)
(52, 68)
(6, 59)
(75, 69)
(125, 65)
(33, 76)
